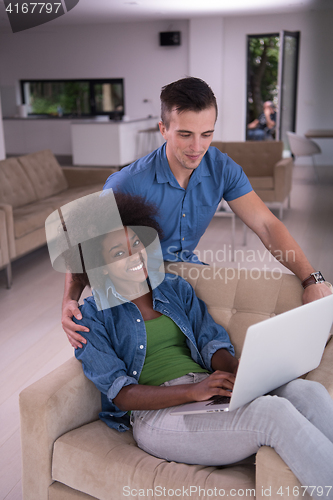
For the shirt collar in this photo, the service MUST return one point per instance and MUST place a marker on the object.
(159, 295)
(164, 174)
(108, 296)
(163, 171)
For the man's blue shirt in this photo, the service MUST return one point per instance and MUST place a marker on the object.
(116, 344)
(184, 214)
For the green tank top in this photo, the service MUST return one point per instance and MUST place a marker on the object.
(167, 354)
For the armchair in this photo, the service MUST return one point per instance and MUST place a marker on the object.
(270, 174)
(68, 454)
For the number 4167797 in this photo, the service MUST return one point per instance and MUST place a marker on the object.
(33, 7)
(321, 491)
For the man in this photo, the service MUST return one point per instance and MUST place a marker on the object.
(263, 127)
(186, 180)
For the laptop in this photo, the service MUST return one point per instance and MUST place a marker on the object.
(276, 351)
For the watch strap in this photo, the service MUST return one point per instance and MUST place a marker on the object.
(313, 279)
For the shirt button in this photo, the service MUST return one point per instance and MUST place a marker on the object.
(135, 372)
(141, 346)
(138, 320)
(183, 215)
(183, 239)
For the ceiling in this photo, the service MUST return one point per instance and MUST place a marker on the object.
(109, 11)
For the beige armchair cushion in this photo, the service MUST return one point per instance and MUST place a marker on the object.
(92, 445)
(256, 157)
(44, 173)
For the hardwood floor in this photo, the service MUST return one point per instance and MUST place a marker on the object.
(32, 342)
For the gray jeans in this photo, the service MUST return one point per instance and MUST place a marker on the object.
(295, 419)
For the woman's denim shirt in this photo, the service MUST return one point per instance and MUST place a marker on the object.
(115, 351)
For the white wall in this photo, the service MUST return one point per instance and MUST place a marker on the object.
(212, 48)
(129, 50)
(206, 56)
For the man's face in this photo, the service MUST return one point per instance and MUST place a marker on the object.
(188, 137)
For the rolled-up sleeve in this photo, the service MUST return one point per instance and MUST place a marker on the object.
(103, 368)
(118, 384)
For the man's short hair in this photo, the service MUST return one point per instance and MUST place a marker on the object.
(187, 94)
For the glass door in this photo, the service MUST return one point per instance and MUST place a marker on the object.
(272, 69)
(288, 75)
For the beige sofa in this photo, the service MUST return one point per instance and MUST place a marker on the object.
(269, 174)
(31, 188)
(69, 454)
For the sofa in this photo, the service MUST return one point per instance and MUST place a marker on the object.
(68, 453)
(270, 174)
(31, 188)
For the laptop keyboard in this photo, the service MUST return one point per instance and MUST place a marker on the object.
(218, 400)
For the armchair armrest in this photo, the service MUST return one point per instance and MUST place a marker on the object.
(274, 479)
(77, 176)
(59, 402)
(4, 251)
(324, 372)
(283, 178)
(8, 209)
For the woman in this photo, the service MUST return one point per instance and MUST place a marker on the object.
(159, 347)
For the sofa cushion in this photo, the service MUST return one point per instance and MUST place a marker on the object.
(16, 188)
(73, 194)
(102, 462)
(44, 173)
(31, 217)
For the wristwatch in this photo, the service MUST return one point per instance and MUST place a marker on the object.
(313, 279)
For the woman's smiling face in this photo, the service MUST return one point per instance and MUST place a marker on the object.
(126, 258)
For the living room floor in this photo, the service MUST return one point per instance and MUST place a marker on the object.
(33, 342)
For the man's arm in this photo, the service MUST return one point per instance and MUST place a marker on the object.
(277, 239)
(269, 122)
(253, 124)
(72, 293)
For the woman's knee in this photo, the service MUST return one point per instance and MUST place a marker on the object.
(273, 408)
(302, 388)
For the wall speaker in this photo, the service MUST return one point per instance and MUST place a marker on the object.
(168, 38)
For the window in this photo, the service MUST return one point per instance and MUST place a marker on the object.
(74, 98)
